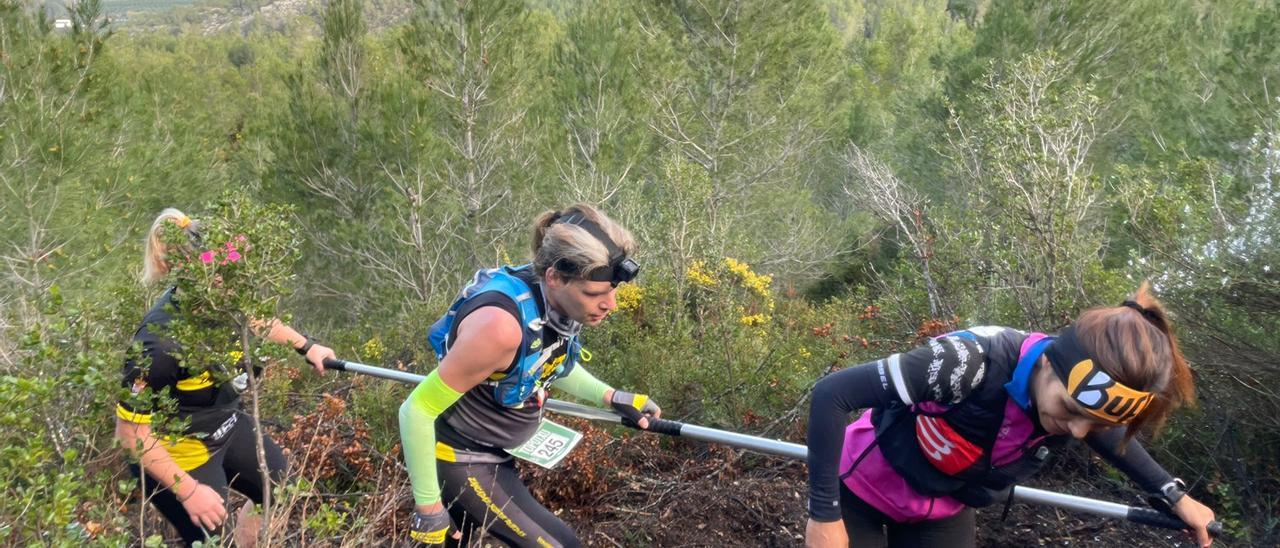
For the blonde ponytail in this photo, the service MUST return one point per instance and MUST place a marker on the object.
(155, 252)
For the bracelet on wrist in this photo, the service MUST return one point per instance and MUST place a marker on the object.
(194, 485)
(308, 342)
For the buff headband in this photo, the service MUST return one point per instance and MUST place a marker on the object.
(1092, 387)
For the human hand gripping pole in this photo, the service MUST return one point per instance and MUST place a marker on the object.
(1135, 514)
(430, 529)
(637, 410)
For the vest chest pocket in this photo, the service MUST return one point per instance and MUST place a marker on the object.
(946, 449)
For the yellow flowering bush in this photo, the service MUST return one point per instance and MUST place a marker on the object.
(757, 283)
(373, 349)
(697, 273)
(629, 296)
(737, 288)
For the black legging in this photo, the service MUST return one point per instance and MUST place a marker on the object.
(490, 499)
(870, 528)
(234, 463)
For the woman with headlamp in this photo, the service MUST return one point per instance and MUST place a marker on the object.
(956, 423)
(510, 334)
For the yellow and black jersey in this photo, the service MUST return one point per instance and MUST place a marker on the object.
(155, 365)
(218, 446)
(209, 405)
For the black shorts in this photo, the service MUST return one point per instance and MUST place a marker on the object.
(233, 463)
(870, 528)
(490, 499)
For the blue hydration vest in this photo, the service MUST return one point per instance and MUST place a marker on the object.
(532, 369)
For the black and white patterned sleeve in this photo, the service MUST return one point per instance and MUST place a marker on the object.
(945, 370)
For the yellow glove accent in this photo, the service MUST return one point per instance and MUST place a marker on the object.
(429, 537)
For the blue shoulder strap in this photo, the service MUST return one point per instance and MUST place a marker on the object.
(1018, 386)
(484, 281)
(530, 369)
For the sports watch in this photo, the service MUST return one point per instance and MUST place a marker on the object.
(1169, 495)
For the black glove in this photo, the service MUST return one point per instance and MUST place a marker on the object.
(633, 407)
(430, 530)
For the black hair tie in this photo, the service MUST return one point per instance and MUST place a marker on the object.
(1146, 312)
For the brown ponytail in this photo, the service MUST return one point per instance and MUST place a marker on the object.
(1135, 344)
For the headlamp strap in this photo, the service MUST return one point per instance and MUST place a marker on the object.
(616, 255)
(594, 229)
(1147, 313)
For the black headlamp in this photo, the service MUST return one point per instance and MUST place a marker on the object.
(621, 268)
(617, 272)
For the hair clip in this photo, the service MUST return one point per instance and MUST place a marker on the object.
(184, 222)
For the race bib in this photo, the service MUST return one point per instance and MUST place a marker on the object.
(548, 446)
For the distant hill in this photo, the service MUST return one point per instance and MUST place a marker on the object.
(58, 9)
(115, 7)
(216, 16)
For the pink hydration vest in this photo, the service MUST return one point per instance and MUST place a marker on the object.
(878, 484)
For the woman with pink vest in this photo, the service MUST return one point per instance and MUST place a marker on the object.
(953, 425)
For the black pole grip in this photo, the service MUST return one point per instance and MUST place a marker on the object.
(1215, 528)
(335, 364)
(663, 426)
(657, 426)
(1156, 518)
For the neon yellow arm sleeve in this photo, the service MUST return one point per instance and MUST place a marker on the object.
(581, 384)
(418, 434)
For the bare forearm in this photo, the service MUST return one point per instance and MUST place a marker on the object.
(279, 333)
(154, 459)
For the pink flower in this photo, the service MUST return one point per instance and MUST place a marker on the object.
(231, 246)
(206, 257)
(240, 238)
(233, 256)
